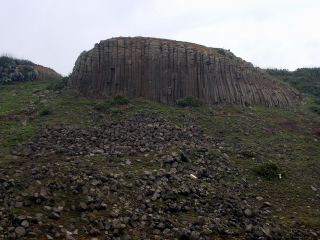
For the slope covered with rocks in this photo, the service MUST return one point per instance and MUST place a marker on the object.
(139, 188)
(143, 170)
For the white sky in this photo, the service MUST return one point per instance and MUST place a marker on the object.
(268, 33)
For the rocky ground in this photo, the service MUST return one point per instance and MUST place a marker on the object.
(139, 178)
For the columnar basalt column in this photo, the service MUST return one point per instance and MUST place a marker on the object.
(165, 70)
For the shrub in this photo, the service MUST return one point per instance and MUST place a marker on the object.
(119, 99)
(58, 85)
(102, 107)
(115, 111)
(268, 170)
(315, 108)
(248, 153)
(317, 101)
(189, 101)
(221, 51)
(16, 70)
(44, 112)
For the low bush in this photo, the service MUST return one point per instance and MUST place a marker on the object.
(16, 70)
(120, 100)
(248, 153)
(115, 111)
(268, 170)
(221, 51)
(189, 101)
(58, 85)
(102, 107)
(315, 109)
(105, 107)
(44, 112)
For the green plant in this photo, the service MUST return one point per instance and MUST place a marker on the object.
(119, 99)
(44, 112)
(102, 107)
(115, 111)
(315, 108)
(58, 85)
(189, 101)
(317, 101)
(16, 70)
(221, 51)
(248, 153)
(268, 170)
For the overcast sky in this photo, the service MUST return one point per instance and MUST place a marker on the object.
(268, 33)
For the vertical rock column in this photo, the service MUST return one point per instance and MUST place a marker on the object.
(164, 70)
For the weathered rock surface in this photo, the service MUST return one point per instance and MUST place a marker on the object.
(165, 70)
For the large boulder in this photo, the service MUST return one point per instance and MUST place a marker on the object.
(164, 70)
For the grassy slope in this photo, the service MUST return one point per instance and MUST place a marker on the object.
(285, 136)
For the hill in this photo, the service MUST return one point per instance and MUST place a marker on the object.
(19, 70)
(129, 168)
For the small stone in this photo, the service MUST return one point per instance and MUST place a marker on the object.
(57, 209)
(47, 208)
(115, 213)
(266, 204)
(92, 218)
(20, 231)
(128, 162)
(94, 232)
(25, 224)
(266, 231)
(54, 215)
(49, 237)
(82, 207)
(38, 182)
(248, 213)
(194, 235)
(95, 183)
(315, 235)
(18, 205)
(225, 156)
(249, 228)
(32, 235)
(313, 188)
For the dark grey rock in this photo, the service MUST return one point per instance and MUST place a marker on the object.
(54, 215)
(20, 231)
(248, 213)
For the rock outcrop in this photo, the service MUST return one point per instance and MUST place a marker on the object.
(164, 70)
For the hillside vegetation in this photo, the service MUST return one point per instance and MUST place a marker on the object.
(73, 168)
(16, 70)
(306, 80)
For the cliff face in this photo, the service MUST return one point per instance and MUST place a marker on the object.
(164, 71)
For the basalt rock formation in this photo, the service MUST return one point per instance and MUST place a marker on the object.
(165, 70)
